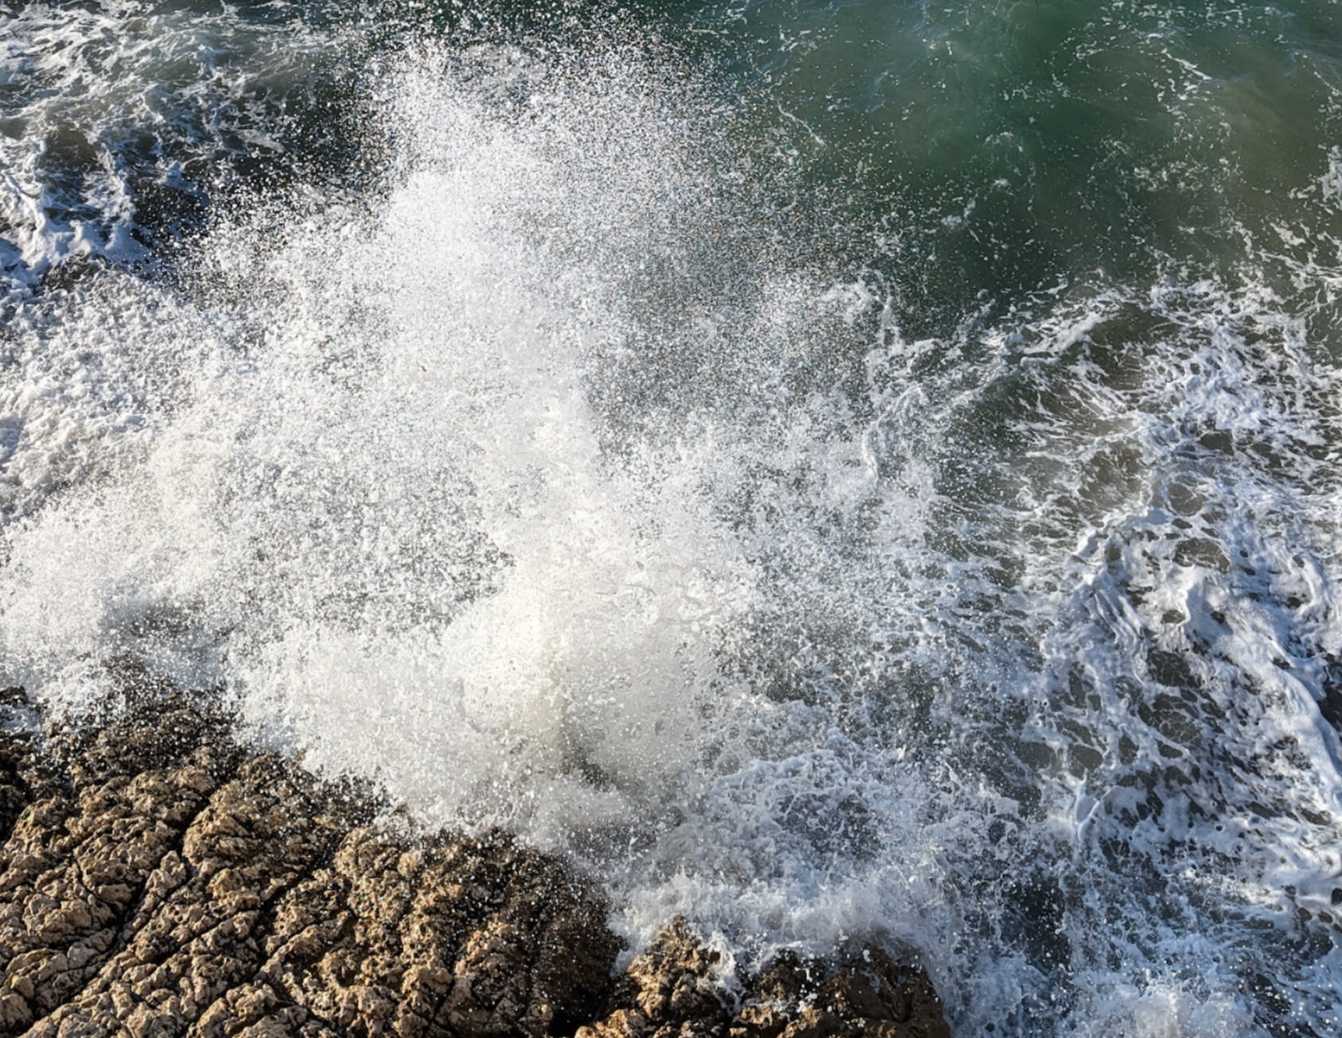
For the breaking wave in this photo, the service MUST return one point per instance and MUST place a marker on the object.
(556, 484)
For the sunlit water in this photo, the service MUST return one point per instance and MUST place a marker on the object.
(842, 472)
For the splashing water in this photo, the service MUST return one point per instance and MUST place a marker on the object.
(558, 483)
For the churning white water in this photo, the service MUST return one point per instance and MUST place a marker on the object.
(553, 488)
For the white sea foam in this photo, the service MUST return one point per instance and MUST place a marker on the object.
(550, 490)
(103, 102)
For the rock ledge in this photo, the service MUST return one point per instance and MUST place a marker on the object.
(158, 879)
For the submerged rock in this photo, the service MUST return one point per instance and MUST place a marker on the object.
(159, 879)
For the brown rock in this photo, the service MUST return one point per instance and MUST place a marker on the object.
(670, 991)
(871, 996)
(170, 883)
(157, 880)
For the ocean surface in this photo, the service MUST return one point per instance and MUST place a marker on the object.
(842, 471)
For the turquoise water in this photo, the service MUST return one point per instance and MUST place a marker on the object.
(1113, 143)
(840, 471)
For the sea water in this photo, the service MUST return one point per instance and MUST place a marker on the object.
(844, 472)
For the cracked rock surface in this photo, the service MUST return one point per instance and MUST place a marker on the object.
(159, 879)
(671, 991)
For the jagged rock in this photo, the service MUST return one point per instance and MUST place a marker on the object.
(159, 880)
(870, 996)
(173, 884)
(671, 990)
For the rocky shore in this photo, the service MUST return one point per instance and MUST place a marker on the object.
(160, 878)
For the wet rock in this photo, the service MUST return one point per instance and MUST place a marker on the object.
(15, 794)
(21, 776)
(672, 990)
(871, 996)
(159, 880)
(170, 883)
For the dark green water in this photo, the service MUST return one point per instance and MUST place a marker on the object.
(1014, 148)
